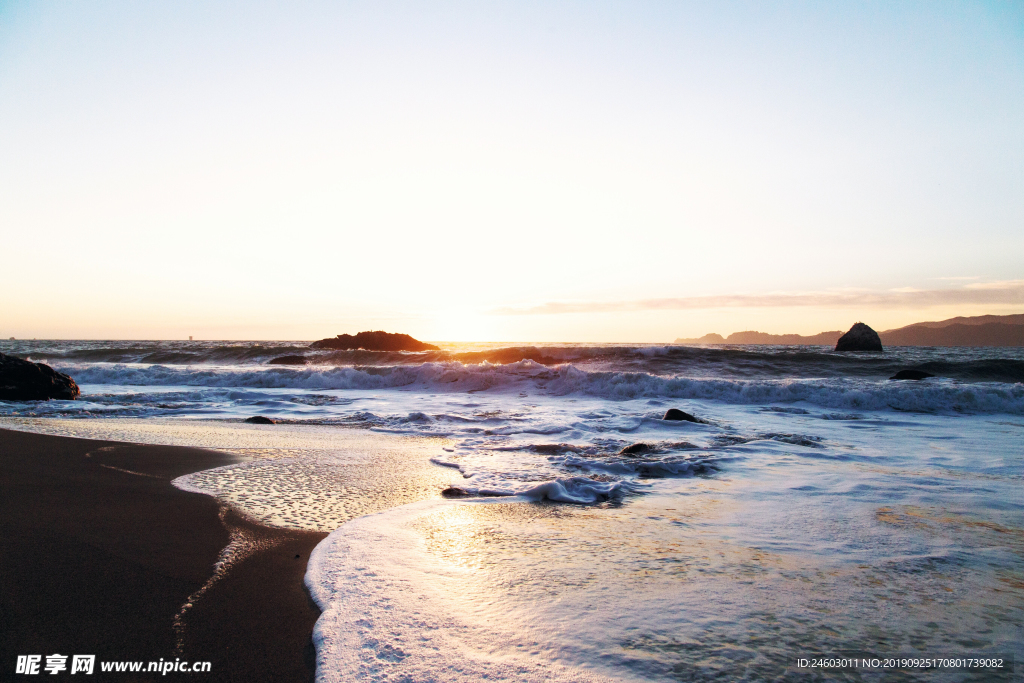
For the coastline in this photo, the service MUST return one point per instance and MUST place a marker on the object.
(101, 552)
(801, 515)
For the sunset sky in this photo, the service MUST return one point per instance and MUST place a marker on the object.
(549, 171)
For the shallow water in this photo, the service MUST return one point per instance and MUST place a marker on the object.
(881, 543)
(645, 592)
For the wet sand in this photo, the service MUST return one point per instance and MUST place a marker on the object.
(100, 552)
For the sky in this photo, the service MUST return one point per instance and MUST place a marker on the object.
(524, 171)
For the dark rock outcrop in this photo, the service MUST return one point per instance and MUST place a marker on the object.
(551, 448)
(859, 338)
(455, 492)
(259, 420)
(373, 341)
(912, 374)
(679, 416)
(637, 449)
(22, 380)
(287, 360)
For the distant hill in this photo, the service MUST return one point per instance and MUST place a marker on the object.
(982, 330)
(975, 320)
(752, 337)
(959, 334)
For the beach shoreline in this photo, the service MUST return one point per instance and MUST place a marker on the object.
(800, 516)
(101, 552)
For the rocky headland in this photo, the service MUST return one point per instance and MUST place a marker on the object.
(373, 341)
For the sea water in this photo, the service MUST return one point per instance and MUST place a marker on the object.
(817, 508)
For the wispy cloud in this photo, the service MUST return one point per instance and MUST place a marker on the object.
(1002, 292)
(1002, 284)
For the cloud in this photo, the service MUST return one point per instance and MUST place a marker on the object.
(1002, 292)
(1002, 284)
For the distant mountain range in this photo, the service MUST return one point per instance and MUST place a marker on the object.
(981, 330)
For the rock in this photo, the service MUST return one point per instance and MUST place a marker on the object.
(455, 492)
(259, 420)
(912, 374)
(859, 338)
(637, 449)
(22, 380)
(679, 415)
(373, 341)
(551, 448)
(287, 360)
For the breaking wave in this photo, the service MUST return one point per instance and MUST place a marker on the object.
(936, 395)
(736, 362)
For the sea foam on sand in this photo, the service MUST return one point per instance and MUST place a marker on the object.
(394, 611)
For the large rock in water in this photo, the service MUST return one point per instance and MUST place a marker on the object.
(287, 360)
(674, 414)
(859, 338)
(22, 380)
(916, 375)
(373, 341)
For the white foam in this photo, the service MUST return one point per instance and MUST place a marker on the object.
(568, 380)
(580, 490)
(577, 490)
(393, 612)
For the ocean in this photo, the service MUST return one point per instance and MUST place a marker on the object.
(816, 509)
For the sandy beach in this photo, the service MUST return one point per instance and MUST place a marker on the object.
(101, 552)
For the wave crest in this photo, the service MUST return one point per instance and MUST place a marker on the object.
(532, 377)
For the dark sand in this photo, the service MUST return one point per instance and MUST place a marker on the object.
(98, 553)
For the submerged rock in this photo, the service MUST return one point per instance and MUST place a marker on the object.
(860, 337)
(259, 420)
(637, 449)
(287, 360)
(551, 448)
(679, 416)
(22, 380)
(373, 341)
(912, 374)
